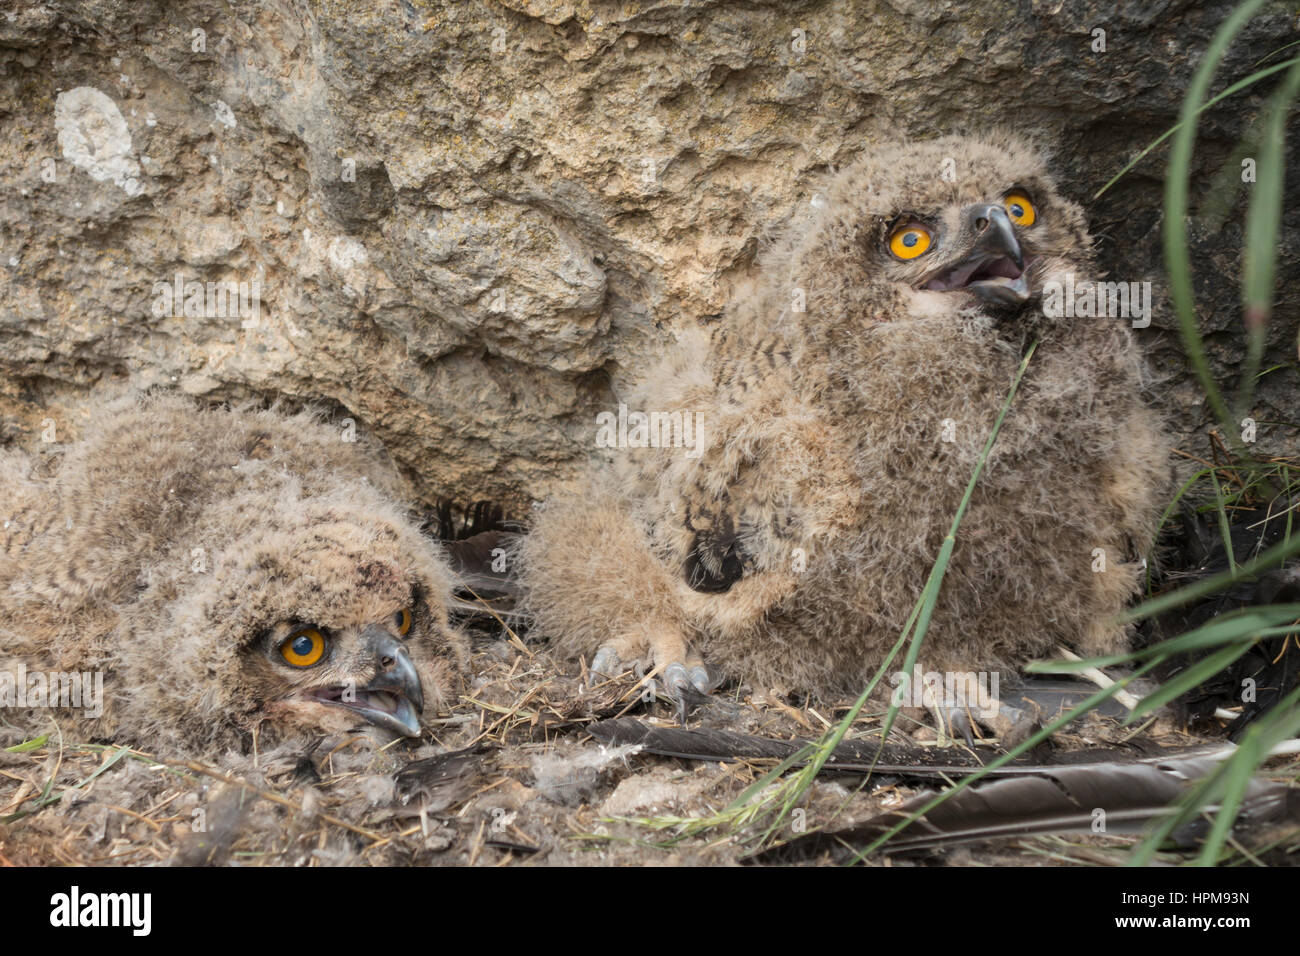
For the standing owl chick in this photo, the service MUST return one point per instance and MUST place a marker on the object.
(226, 572)
(843, 401)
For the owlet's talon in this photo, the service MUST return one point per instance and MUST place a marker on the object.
(604, 666)
(675, 678)
(959, 724)
(700, 679)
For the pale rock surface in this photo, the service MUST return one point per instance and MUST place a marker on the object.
(472, 224)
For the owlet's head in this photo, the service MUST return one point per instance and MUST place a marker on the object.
(330, 616)
(950, 224)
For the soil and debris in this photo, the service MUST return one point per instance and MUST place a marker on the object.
(536, 767)
(530, 770)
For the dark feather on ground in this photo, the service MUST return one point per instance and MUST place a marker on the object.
(438, 782)
(851, 756)
(1120, 798)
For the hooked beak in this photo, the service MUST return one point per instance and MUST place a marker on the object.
(394, 698)
(995, 269)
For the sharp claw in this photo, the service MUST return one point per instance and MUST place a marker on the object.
(604, 665)
(960, 722)
(675, 678)
(700, 679)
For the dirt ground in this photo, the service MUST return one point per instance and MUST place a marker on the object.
(512, 777)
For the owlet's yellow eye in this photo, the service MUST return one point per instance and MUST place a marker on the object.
(402, 621)
(1020, 209)
(910, 241)
(303, 647)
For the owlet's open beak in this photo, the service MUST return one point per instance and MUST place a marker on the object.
(394, 698)
(994, 269)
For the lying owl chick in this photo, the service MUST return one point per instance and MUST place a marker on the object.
(841, 405)
(225, 572)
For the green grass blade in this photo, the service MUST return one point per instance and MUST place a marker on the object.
(1282, 722)
(1197, 796)
(1187, 680)
(1177, 184)
(753, 790)
(1270, 558)
(1234, 88)
(1033, 741)
(1263, 222)
(114, 758)
(930, 595)
(1225, 532)
(1233, 627)
(1270, 53)
(1286, 478)
(915, 626)
(1237, 776)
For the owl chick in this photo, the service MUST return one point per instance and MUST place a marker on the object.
(840, 406)
(224, 571)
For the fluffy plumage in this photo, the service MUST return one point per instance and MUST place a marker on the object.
(840, 440)
(175, 549)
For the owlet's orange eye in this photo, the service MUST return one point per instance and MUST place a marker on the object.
(1020, 209)
(303, 647)
(910, 241)
(402, 621)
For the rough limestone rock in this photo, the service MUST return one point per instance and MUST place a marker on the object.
(468, 224)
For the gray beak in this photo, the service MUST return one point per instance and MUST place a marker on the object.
(397, 674)
(997, 237)
(397, 684)
(394, 697)
(995, 267)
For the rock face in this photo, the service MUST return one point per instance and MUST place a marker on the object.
(468, 225)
